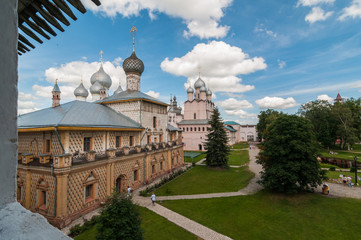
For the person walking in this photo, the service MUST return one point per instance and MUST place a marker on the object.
(129, 191)
(153, 198)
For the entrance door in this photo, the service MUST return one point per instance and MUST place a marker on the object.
(118, 184)
(200, 147)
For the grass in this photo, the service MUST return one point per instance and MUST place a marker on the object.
(327, 165)
(275, 216)
(341, 155)
(201, 179)
(196, 159)
(238, 158)
(240, 145)
(335, 175)
(154, 226)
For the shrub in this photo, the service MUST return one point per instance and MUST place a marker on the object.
(332, 169)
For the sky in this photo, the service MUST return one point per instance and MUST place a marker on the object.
(253, 55)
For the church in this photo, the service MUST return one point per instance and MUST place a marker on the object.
(72, 156)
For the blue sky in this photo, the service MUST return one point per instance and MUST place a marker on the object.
(253, 55)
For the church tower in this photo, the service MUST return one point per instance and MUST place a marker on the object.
(56, 94)
(133, 68)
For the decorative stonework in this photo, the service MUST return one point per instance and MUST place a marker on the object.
(133, 82)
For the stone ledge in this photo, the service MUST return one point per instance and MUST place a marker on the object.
(18, 223)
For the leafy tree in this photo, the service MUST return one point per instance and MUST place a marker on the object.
(265, 118)
(119, 219)
(324, 123)
(355, 106)
(289, 156)
(345, 120)
(216, 142)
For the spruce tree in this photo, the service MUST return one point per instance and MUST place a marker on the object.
(216, 142)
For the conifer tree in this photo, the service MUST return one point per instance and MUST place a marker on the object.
(216, 142)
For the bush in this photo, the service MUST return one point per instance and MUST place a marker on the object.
(332, 169)
(352, 169)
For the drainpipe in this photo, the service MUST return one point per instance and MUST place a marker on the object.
(57, 135)
(55, 188)
(140, 111)
(145, 155)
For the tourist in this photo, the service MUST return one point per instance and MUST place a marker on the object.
(153, 198)
(129, 191)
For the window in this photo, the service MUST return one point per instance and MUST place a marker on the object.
(118, 141)
(203, 129)
(161, 165)
(47, 146)
(191, 129)
(42, 188)
(135, 175)
(131, 140)
(161, 138)
(187, 129)
(90, 185)
(199, 129)
(195, 116)
(155, 139)
(87, 144)
(148, 139)
(42, 199)
(88, 191)
(195, 129)
(154, 122)
(153, 169)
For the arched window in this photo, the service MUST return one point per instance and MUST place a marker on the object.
(119, 183)
(42, 194)
(195, 116)
(90, 185)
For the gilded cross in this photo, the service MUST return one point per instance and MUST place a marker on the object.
(101, 56)
(133, 30)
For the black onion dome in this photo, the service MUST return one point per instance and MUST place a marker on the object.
(133, 64)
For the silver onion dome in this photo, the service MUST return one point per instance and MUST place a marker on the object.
(81, 91)
(133, 64)
(118, 90)
(190, 90)
(199, 83)
(103, 78)
(209, 92)
(203, 89)
(95, 88)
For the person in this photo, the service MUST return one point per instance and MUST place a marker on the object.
(129, 191)
(153, 198)
(344, 179)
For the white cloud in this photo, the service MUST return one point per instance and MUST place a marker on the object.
(220, 65)
(308, 3)
(26, 96)
(353, 11)
(317, 14)
(26, 106)
(281, 64)
(265, 30)
(241, 114)
(117, 61)
(276, 102)
(84, 58)
(153, 94)
(233, 104)
(202, 17)
(232, 95)
(325, 97)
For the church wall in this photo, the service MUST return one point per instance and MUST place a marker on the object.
(192, 139)
(34, 142)
(129, 109)
(198, 107)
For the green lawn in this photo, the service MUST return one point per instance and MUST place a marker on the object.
(196, 159)
(238, 158)
(275, 216)
(154, 226)
(335, 175)
(202, 179)
(341, 155)
(240, 145)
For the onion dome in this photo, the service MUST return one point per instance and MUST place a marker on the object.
(203, 89)
(103, 78)
(133, 64)
(118, 90)
(209, 92)
(81, 91)
(95, 88)
(190, 90)
(199, 83)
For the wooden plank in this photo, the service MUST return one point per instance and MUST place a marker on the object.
(47, 16)
(65, 8)
(78, 5)
(97, 2)
(23, 46)
(55, 12)
(28, 32)
(24, 40)
(21, 49)
(41, 22)
(35, 28)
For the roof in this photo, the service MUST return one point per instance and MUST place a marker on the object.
(231, 123)
(77, 114)
(38, 15)
(56, 88)
(193, 122)
(230, 129)
(130, 95)
(173, 129)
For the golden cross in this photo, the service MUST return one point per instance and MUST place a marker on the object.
(133, 30)
(56, 81)
(101, 56)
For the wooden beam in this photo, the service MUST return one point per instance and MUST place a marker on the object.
(23, 46)
(28, 32)
(55, 12)
(47, 16)
(65, 8)
(21, 49)
(19, 53)
(24, 40)
(35, 28)
(41, 22)
(78, 5)
(97, 2)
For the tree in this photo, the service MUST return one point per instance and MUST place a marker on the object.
(216, 142)
(345, 120)
(265, 118)
(119, 219)
(289, 156)
(324, 123)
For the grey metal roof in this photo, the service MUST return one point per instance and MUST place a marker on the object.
(230, 129)
(129, 95)
(231, 123)
(76, 114)
(172, 129)
(193, 122)
(56, 88)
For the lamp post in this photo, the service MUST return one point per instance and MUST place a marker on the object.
(355, 158)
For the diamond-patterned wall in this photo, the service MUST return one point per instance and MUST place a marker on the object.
(129, 109)
(98, 142)
(51, 195)
(75, 141)
(111, 140)
(30, 143)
